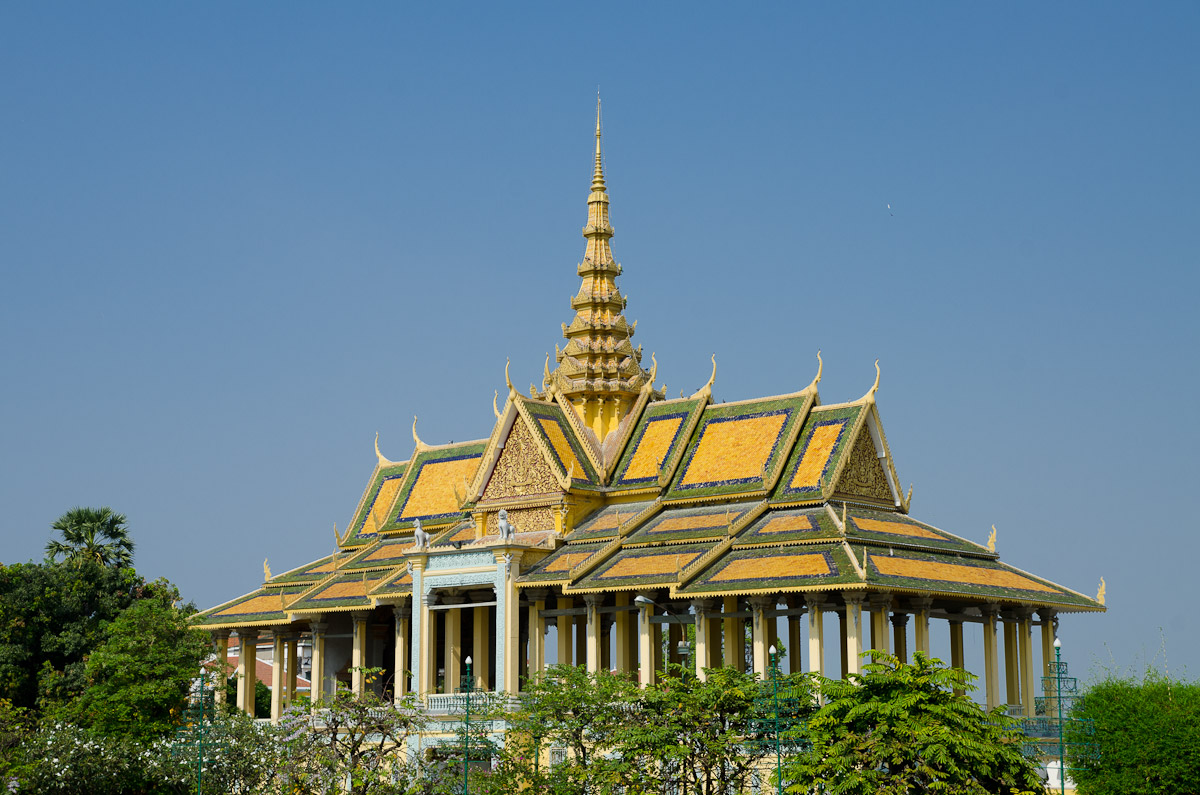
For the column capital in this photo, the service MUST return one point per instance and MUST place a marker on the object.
(921, 602)
(815, 602)
(248, 633)
(794, 601)
(318, 628)
(280, 633)
(1047, 613)
(401, 612)
(536, 594)
(955, 618)
(855, 598)
(989, 610)
(703, 606)
(763, 602)
(360, 616)
(899, 620)
(1023, 612)
(880, 601)
(593, 599)
(219, 634)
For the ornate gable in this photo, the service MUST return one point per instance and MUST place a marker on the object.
(521, 470)
(863, 476)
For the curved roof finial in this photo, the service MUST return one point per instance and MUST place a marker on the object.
(420, 445)
(495, 410)
(707, 388)
(653, 369)
(546, 379)
(378, 455)
(508, 380)
(991, 542)
(812, 387)
(870, 396)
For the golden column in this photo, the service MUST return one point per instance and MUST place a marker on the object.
(880, 606)
(956, 647)
(700, 611)
(760, 605)
(900, 633)
(481, 653)
(646, 643)
(537, 631)
(247, 669)
(733, 637)
(921, 607)
(593, 601)
(317, 674)
(427, 670)
(816, 633)
(625, 627)
(991, 654)
(1025, 637)
(452, 643)
(852, 615)
(293, 666)
(358, 654)
(278, 650)
(1012, 656)
(402, 616)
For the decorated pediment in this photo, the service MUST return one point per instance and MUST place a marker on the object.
(521, 470)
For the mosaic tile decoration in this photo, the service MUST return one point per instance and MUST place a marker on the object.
(264, 605)
(428, 493)
(397, 583)
(603, 523)
(958, 574)
(687, 524)
(657, 441)
(556, 432)
(897, 528)
(734, 443)
(461, 533)
(823, 442)
(389, 553)
(788, 526)
(378, 499)
(642, 566)
(555, 566)
(774, 568)
(345, 590)
(310, 573)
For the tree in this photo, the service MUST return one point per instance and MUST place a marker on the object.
(51, 617)
(899, 729)
(691, 736)
(585, 714)
(95, 534)
(1146, 737)
(354, 740)
(139, 677)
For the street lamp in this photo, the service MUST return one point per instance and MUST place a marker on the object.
(778, 752)
(466, 687)
(683, 648)
(1062, 765)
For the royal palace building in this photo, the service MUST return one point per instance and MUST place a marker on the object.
(600, 516)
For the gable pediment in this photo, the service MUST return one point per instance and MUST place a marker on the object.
(521, 470)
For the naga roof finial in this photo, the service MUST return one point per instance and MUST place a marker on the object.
(383, 461)
(508, 380)
(812, 387)
(707, 388)
(1100, 594)
(417, 439)
(653, 369)
(991, 542)
(495, 396)
(546, 379)
(870, 396)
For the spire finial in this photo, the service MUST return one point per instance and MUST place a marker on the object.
(598, 173)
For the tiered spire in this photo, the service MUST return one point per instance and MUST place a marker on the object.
(599, 370)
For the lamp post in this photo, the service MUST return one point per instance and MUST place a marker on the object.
(1062, 765)
(684, 649)
(778, 752)
(466, 687)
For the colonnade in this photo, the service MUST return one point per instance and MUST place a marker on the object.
(624, 632)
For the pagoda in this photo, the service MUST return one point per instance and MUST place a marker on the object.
(535, 543)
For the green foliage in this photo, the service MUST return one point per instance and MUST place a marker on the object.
(899, 729)
(1147, 737)
(358, 739)
(62, 758)
(138, 678)
(51, 617)
(97, 535)
(698, 731)
(584, 713)
(262, 697)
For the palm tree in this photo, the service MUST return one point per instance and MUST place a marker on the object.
(95, 534)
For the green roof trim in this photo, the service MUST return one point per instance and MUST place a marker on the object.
(678, 413)
(842, 418)
(775, 569)
(603, 524)
(380, 476)
(673, 526)
(641, 566)
(789, 527)
(437, 455)
(264, 606)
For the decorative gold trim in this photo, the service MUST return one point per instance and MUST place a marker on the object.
(712, 379)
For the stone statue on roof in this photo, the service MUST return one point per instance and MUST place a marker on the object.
(505, 528)
(420, 537)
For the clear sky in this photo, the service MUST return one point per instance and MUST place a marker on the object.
(236, 240)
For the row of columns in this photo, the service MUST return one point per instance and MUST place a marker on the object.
(719, 630)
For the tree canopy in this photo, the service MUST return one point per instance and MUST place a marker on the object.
(1146, 738)
(900, 729)
(92, 534)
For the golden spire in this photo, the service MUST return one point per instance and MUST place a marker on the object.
(599, 371)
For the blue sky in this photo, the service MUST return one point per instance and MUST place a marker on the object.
(236, 241)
